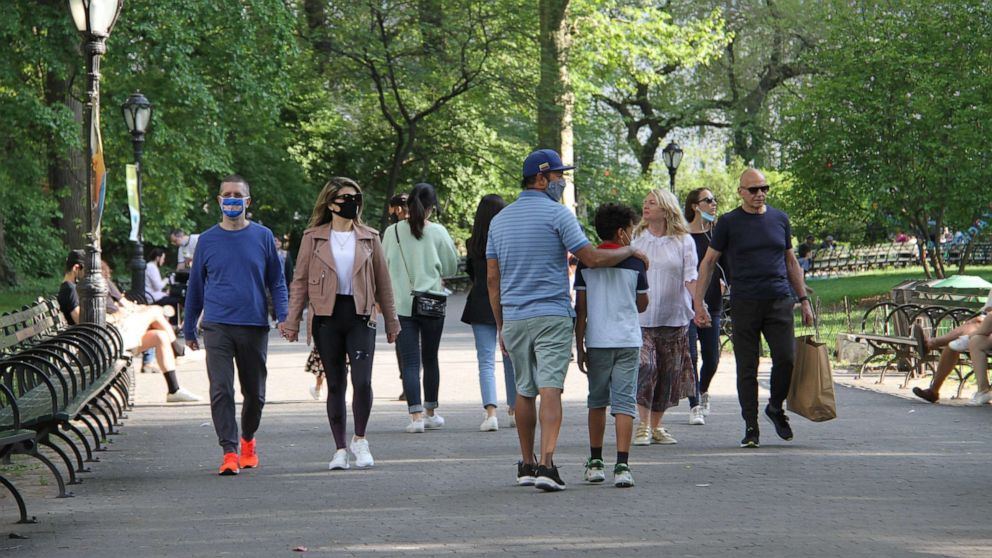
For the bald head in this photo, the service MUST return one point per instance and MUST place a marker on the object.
(752, 177)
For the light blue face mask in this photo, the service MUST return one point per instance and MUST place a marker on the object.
(708, 217)
(237, 206)
(555, 189)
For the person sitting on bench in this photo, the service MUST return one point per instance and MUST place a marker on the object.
(132, 321)
(952, 344)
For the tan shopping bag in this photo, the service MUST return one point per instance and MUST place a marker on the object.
(811, 393)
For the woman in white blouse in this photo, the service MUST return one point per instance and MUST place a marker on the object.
(665, 374)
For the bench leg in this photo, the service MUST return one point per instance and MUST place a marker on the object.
(97, 446)
(99, 425)
(55, 471)
(80, 467)
(82, 438)
(119, 390)
(110, 422)
(23, 509)
(110, 407)
(65, 459)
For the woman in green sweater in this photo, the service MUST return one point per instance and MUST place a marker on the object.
(419, 253)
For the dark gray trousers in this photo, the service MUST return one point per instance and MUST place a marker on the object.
(246, 346)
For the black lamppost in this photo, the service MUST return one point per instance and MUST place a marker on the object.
(94, 19)
(672, 155)
(137, 116)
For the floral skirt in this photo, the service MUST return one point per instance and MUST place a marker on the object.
(665, 374)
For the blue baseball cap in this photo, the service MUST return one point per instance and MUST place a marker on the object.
(543, 160)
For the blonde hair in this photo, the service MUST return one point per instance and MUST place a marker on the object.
(674, 219)
(321, 213)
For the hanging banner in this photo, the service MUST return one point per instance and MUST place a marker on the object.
(132, 201)
(99, 175)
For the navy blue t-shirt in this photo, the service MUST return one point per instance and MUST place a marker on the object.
(755, 245)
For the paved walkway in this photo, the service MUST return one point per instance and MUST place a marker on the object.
(890, 477)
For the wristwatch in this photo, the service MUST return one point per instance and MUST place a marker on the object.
(802, 298)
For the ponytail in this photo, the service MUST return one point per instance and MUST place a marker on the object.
(422, 198)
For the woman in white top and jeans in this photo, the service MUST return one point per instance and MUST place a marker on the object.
(665, 374)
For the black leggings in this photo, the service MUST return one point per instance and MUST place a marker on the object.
(335, 336)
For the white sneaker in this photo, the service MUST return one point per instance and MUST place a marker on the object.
(433, 422)
(661, 436)
(315, 393)
(415, 426)
(182, 395)
(642, 436)
(696, 416)
(363, 457)
(491, 424)
(704, 400)
(511, 420)
(339, 461)
(959, 345)
(980, 398)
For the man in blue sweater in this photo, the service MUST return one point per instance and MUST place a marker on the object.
(234, 264)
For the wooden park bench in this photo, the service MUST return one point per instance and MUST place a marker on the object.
(53, 376)
(886, 328)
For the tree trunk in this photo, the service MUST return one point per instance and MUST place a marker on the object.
(402, 149)
(8, 276)
(67, 170)
(555, 100)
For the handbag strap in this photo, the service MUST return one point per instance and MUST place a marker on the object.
(396, 229)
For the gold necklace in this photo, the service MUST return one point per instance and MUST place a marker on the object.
(347, 238)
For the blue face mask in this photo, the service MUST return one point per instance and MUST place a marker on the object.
(232, 207)
(555, 189)
(709, 218)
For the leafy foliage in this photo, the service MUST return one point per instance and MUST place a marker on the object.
(895, 129)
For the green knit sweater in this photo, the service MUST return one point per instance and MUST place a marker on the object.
(428, 260)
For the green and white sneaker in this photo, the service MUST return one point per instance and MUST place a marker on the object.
(595, 470)
(622, 477)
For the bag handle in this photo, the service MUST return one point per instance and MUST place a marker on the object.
(816, 318)
(396, 229)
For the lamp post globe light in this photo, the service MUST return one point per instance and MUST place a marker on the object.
(137, 116)
(672, 155)
(94, 20)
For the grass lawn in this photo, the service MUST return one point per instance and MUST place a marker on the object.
(872, 286)
(12, 298)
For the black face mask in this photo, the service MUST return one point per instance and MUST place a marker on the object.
(393, 218)
(348, 205)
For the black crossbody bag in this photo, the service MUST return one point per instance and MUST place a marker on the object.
(425, 305)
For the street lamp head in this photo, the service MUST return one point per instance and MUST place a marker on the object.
(672, 155)
(95, 18)
(137, 113)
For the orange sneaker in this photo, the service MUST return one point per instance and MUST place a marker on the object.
(249, 459)
(230, 464)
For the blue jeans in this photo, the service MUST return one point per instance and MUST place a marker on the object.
(486, 342)
(709, 342)
(418, 342)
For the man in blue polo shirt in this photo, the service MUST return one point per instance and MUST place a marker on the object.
(234, 265)
(527, 273)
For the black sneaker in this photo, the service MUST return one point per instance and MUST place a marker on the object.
(525, 473)
(750, 438)
(780, 421)
(548, 479)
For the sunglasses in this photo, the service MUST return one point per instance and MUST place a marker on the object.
(357, 198)
(707, 200)
(753, 190)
